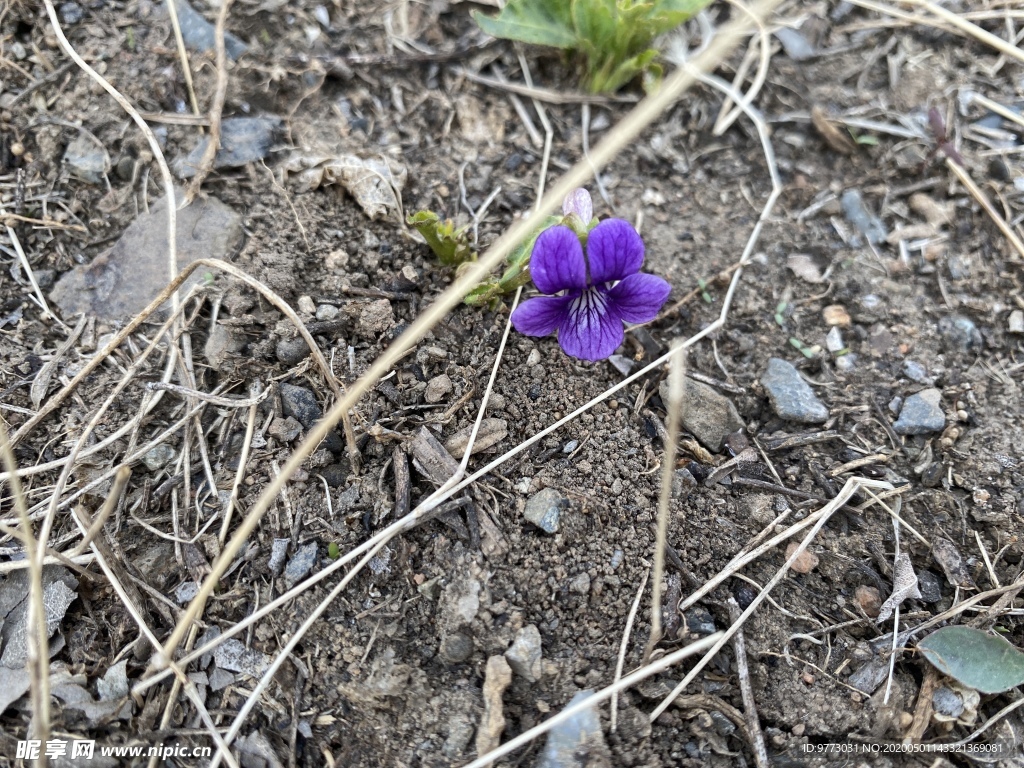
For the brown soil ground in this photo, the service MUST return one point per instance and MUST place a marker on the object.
(369, 684)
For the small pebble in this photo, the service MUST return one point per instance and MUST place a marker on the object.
(292, 351)
(916, 372)
(864, 220)
(326, 312)
(533, 358)
(930, 586)
(834, 340)
(700, 621)
(306, 305)
(437, 388)
(525, 654)
(580, 584)
(544, 509)
(921, 413)
(300, 403)
(960, 334)
(868, 600)
(158, 456)
(570, 446)
(71, 13)
(301, 564)
(806, 562)
(846, 363)
(1016, 321)
(791, 397)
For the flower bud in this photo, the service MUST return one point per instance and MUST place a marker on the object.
(578, 201)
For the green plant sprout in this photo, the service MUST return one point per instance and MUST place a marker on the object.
(613, 37)
(452, 248)
(703, 285)
(809, 352)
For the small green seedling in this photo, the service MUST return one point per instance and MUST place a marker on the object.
(703, 285)
(333, 551)
(780, 314)
(809, 352)
(612, 37)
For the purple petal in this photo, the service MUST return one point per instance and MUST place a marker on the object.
(615, 251)
(578, 201)
(556, 263)
(638, 298)
(540, 316)
(592, 328)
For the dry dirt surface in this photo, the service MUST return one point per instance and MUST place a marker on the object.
(878, 276)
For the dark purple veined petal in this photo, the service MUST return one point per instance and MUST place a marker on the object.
(638, 298)
(615, 251)
(556, 263)
(541, 316)
(591, 328)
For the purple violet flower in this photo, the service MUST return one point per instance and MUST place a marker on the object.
(588, 310)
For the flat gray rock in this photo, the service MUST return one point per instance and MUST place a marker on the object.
(922, 413)
(577, 742)
(243, 140)
(706, 414)
(120, 283)
(791, 397)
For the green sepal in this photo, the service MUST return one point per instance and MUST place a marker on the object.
(450, 245)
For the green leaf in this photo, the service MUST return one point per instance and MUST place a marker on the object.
(987, 663)
(538, 22)
(332, 551)
(450, 245)
(671, 13)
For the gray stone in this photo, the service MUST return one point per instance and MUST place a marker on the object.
(300, 403)
(160, 455)
(867, 223)
(456, 647)
(285, 429)
(960, 334)
(199, 34)
(916, 372)
(71, 13)
(795, 44)
(525, 654)
(87, 159)
(947, 703)
(243, 140)
(301, 564)
(292, 351)
(278, 552)
(580, 584)
(222, 343)
(577, 742)
(791, 397)
(930, 586)
(437, 388)
(706, 414)
(185, 592)
(544, 509)
(921, 413)
(700, 621)
(119, 283)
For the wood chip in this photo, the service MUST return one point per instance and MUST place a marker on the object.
(492, 431)
(835, 135)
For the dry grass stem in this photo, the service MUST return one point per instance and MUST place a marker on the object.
(216, 105)
(676, 376)
(747, 690)
(627, 632)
